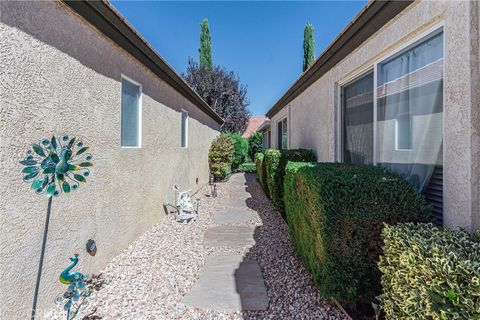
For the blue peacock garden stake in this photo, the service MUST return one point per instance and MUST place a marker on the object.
(75, 297)
(53, 167)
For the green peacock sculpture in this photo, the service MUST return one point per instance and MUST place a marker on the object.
(74, 299)
(52, 167)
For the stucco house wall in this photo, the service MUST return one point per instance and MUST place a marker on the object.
(313, 115)
(60, 76)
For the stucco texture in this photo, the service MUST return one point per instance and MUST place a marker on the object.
(61, 76)
(313, 115)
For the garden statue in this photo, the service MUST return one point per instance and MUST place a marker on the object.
(185, 210)
(77, 291)
(54, 167)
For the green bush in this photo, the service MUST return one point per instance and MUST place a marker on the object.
(240, 149)
(276, 161)
(430, 273)
(272, 159)
(261, 172)
(220, 157)
(246, 167)
(335, 214)
(294, 155)
(254, 144)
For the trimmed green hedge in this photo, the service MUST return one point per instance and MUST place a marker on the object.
(335, 213)
(276, 161)
(246, 167)
(261, 172)
(294, 155)
(430, 273)
(272, 159)
(240, 150)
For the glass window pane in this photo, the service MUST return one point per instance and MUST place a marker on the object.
(410, 110)
(184, 134)
(279, 135)
(284, 134)
(357, 103)
(130, 114)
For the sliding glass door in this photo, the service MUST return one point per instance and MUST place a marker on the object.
(357, 100)
(397, 122)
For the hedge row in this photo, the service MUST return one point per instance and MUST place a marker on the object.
(261, 172)
(276, 161)
(240, 150)
(335, 214)
(430, 273)
(246, 167)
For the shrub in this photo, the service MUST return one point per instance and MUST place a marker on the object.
(220, 157)
(276, 161)
(430, 273)
(261, 172)
(272, 158)
(246, 167)
(240, 149)
(294, 155)
(335, 214)
(254, 144)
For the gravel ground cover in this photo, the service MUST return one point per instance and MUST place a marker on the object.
(149, 279)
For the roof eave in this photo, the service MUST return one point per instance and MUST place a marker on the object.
(113, 25)
(370, 19)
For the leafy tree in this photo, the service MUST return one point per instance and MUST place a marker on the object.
(222, 90)
(254, 144)
(205, 49)
(308, 47)
(220, 156)
(240, 149)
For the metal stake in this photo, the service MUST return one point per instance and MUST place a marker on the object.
(42, 254)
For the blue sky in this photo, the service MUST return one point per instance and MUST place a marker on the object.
(261, 41)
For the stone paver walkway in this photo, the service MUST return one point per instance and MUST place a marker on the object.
(229, 281)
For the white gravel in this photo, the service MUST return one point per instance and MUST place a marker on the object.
(149, 279)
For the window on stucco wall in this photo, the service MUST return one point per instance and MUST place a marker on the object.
(130, 114)
(184, 134)
(282, 134)
(398, 122)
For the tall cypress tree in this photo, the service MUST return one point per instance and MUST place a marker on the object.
(308, 47)
(205, 46)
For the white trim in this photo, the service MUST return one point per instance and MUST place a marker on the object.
(140, 100)
(186, 129)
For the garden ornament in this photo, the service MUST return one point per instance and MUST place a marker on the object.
(74, 298)
(185, 210)
(53, 167)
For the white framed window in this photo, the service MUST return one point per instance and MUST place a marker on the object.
(184, 130)
(282, 134)
(131, 114)
(393, 115)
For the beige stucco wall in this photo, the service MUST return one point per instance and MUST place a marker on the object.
(60, 76)
(313, 114)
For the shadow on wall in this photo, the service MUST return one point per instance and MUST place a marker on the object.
(56, 25)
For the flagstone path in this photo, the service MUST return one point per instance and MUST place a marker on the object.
(230, 282)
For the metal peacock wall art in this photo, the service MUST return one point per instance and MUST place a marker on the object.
(54, 167)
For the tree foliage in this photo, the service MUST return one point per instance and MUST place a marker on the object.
(308, 47)
(254, 144)
(205, 49)
(222, 90)
(220, 156)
